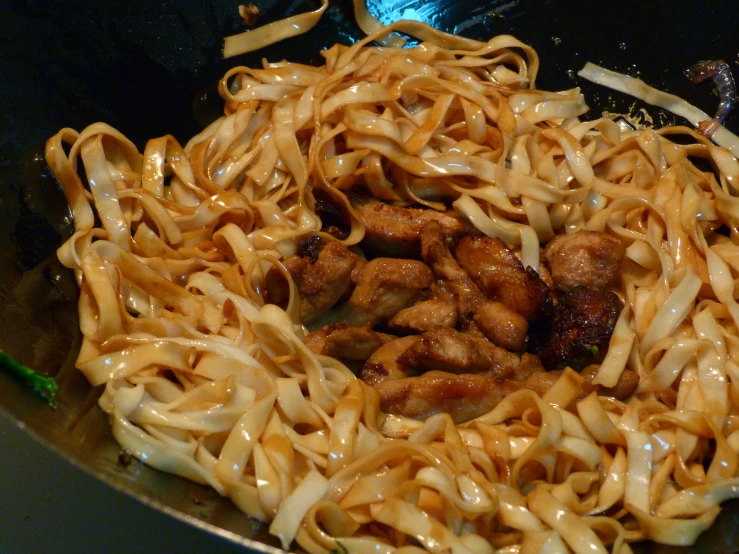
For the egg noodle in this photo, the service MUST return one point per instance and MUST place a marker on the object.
(204, 380)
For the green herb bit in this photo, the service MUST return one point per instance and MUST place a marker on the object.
(593, 349)
(43, 384)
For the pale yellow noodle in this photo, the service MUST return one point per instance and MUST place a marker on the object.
(203, 380)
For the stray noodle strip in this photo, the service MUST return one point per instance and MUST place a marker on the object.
(256, 39)
(637, 88)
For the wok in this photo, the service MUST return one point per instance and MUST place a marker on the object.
(148, 69)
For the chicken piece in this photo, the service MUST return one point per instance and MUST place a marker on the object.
(310, 247)
(348, 344)
(384, 287)
(383, 364)
(249, 13)
(545, 274)
(422, 316)
(585, 258)
(579, 330)
(395, 231)
(334, 220)
(501, 276)
(361, 262)
(445, 349)
(464, 397)
(451, 279)
(628, 381)
(502, 326)
(472, 395)
(320, 284)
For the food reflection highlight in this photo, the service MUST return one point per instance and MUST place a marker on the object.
(541, 310)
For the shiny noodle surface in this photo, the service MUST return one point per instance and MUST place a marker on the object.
(200, 378)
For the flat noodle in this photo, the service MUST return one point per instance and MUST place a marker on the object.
(204, 380)
(256, 39)
(670, 102)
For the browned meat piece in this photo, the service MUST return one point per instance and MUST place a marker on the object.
(501, 275)
(326, 208)
(627, 383)
(445, 349)
(310, 247)
(542, 381)
(277, 290)
(361, 262)
(320, 284)
(625, 387)
(585, 258)
(249, 13)
(452, 280)
(384, 287)
(529, 365)
(334, 220)
(395, 231)
(422, 316)
(337, 233)
(383, 364)
(502, 326)
(348, 344)
(464, 397)
(472, 395)
(579, 330)
(545, 274)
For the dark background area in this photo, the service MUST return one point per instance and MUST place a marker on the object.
(50, 506)
(148, 69)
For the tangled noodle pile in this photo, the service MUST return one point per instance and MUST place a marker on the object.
(203, 380)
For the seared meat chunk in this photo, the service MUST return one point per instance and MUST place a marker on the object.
(627, 383)
(579, 331)
(384, 287)
(445, 349)
(464, 397)
(310, 247)
(625, 387)
(502, 325)
(472, 395)
(320, 284)
(422, 316)
(383, 364)
(348, 344)
(545, 274)
(395, 231)
(585, 258)
(249, 13)
(331, 213)
(501, 275)
(452, 280)
(333, 219)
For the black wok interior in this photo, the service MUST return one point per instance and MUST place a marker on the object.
(149, 68)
